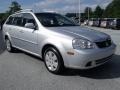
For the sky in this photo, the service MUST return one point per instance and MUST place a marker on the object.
(61, 6)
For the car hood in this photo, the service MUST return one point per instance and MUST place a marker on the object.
(81, 32)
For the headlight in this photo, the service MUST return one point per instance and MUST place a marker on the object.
(82, 44)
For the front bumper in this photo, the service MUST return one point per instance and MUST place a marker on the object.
(86, 59)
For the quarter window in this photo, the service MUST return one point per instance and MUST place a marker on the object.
(10, 20)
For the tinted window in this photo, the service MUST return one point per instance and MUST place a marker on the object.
(10, 20)
(28, 18)
(17, 20)
(54, 20)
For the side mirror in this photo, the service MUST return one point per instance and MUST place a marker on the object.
(30, 25)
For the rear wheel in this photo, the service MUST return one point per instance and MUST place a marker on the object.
(53, 60)
(9, 45)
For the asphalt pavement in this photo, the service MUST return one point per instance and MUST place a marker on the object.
(2, 44)
(21, 71)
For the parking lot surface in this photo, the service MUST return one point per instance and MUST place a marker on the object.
(21, 71)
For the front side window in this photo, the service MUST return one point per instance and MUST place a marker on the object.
(54, 20)
(28, 18)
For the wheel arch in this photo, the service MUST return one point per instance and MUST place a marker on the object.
(7, 36)
(57, 48)
(47, 46)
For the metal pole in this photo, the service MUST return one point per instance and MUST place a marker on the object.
(79, 13)
(88, 13)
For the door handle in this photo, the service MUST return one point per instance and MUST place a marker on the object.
(21, 31)
(10, 29)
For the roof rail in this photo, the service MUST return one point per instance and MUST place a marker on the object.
(49, 11)
(25, 10)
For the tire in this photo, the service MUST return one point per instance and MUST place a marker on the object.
(9, 45)
(53, 61)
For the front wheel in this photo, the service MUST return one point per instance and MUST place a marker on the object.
(53, 61)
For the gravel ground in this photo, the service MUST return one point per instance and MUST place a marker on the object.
(21, 71)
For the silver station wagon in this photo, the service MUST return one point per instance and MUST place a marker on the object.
(57, 40)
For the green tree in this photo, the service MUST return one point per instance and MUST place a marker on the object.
(113, 10)
(15, 6)
(88, 12)
(98, 12)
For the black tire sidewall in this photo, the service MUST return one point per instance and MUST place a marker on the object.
(10, 45)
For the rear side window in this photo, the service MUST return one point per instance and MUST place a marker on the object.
(17, 20)
(10, 20)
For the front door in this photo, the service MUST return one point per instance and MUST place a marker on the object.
(28, 36)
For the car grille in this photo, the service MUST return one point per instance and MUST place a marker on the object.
(104, 44)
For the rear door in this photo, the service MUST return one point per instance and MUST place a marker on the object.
(17, 26)
(12, 29)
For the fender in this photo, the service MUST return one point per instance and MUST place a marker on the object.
(58, 45)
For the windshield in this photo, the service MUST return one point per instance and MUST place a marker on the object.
(54, 20)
